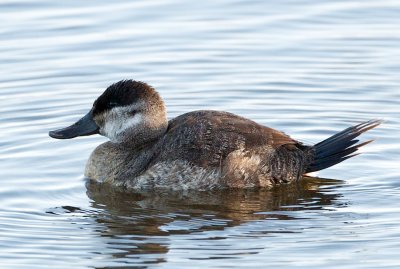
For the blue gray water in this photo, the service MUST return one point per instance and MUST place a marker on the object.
(308, 68)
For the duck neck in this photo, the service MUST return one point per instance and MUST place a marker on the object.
(149, 131)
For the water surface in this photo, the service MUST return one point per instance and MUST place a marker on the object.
(308, 68)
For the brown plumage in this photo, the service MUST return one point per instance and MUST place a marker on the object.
(197, 150)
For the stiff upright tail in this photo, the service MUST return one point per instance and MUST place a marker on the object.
(339, 147)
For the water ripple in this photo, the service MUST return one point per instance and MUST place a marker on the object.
(309, 68)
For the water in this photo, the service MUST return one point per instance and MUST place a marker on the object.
(309, 68)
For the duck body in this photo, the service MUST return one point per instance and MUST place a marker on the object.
(203, 150)
(197, 150)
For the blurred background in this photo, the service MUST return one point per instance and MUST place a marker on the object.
(308, 68)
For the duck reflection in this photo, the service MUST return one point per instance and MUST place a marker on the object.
(140, 223)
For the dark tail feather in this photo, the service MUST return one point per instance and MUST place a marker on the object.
(339, 147)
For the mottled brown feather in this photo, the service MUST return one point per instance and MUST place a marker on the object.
(206, 138)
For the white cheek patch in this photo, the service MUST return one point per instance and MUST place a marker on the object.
(118, 120)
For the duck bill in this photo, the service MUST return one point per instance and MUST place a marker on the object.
(83, 127)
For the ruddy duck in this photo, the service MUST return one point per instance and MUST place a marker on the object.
(197, 150)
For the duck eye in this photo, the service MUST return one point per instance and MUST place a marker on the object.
(112, 104)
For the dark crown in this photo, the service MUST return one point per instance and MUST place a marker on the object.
(123, 93)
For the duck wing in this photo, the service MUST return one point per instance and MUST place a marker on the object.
(206, 138)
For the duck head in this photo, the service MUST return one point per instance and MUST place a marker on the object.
(127, 112)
